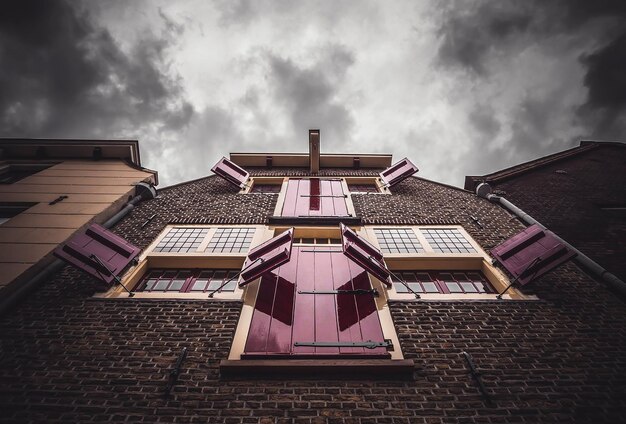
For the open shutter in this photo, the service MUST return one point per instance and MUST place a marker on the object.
(308, 308)
(267, 257)
(398, 172)
(531, 253)
(364, 254)
(231, 172)
(113, 251)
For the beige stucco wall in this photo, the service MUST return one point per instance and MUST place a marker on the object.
(95, 190)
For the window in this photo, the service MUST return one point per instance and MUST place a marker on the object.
(13, 172)
(398, 240)
(10, 210)
(230, 240)
(182, 240)
(265, 188)
(187, 261)
(188, 281)
(190, 239)
(442, 282)
(362, 188)
(447, 240)
(316, 240)
(439, 262)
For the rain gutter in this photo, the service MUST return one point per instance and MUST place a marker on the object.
(484, 190)
(143, 191)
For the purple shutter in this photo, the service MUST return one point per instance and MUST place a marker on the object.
(531, 253)
(288, 311)
(231, 172)
(364, 254)
(267, 257)
(398, 172)
(114, 252)
(315, 197)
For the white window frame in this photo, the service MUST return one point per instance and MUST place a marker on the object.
(149, 259)
(429, 260)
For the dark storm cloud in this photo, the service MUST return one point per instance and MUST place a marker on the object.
(605, 108)
(62, 76)
(308, 94)
(470, 34)
(487, 33)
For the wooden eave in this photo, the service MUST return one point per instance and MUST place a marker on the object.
(301, 160)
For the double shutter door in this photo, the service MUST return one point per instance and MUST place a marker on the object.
(318, 304)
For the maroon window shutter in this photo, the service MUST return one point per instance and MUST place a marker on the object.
(364, 254)
(531, 253)
(398, 172)
(231, 172)
(113, 251)
(267, 257)
(315, 197)
(295, 304)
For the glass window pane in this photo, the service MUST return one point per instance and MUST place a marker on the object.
(468, 288)
(453, 287)
(430, 287)
(416, 287)
(400, 288)
(230, 286)
(150, 283)
(161, 285)
(199, 285)
(230, 240)
(176, 285)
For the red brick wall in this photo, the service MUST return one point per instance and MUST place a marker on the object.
(569, 203)
(67, 357)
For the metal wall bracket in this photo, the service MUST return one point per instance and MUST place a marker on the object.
(373, 292)
(387, 344)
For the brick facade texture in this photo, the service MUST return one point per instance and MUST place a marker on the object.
(67, 357)
(567, 196)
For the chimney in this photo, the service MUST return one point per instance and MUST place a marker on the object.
(314, 151)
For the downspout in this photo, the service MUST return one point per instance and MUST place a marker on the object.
(143, 191)
(484, 190)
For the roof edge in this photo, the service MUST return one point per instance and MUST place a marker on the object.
(471, 181)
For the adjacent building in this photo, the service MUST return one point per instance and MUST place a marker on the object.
(579, 193)
(49, 189)
(317, 288)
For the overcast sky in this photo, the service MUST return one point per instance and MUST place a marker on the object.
(460, 87)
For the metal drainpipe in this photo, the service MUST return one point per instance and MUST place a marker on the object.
(143, 191)
(484, 190)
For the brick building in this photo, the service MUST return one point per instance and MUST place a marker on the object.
(323, 337)
(579, 193)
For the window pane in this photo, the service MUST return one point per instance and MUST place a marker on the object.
(199, 285)
(150, 283)
(176, 285)
(447, 240)
(230, 240)
(416, 287)
(182, 240)
(161, 285)
(200, 279)
(454, 287)
(398, 240)
(430, 287)
(400, 288)
(468, 288)
(266, 188)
